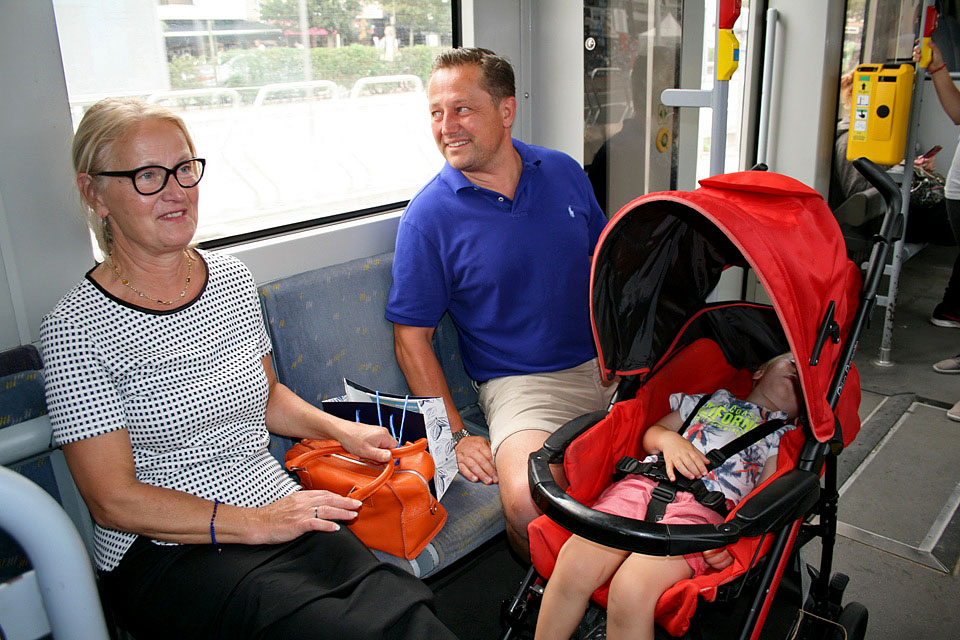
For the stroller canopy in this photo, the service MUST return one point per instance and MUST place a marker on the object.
(662, 254)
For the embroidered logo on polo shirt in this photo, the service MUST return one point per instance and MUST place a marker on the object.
(570, 209)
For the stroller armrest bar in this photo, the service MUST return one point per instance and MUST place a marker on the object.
(783, 500)
(558, 441)
(616, 531)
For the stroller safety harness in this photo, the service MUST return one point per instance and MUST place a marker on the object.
(666, 490)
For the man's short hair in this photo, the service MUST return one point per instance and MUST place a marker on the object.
(496, 72)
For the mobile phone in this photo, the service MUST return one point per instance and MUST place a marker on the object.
(932, 152)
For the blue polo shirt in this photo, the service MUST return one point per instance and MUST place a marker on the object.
(514, 274)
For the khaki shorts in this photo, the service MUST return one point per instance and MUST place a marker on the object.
(541, 401)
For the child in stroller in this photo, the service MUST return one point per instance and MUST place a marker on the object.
(639, 580)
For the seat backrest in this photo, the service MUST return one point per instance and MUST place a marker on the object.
(328, 324)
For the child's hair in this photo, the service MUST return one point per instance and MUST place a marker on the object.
(769, 362)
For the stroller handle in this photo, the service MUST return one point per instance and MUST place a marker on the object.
(889, 191)
(890, 231)
(784, 500)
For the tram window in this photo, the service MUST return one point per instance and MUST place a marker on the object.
(304, 109)
(885, 30)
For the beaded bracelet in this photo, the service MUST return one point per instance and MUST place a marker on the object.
(213, 533)
(930, 72)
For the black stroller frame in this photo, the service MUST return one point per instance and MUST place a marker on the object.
(784, 509)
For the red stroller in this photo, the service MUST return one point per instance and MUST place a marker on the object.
(653, 269)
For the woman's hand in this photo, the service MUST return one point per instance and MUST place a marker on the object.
(936, 58)
(925, 163)
(368, 441)
(290, 415)
(680, 455)
(300, 512)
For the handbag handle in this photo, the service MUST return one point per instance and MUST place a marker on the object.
(332, 447)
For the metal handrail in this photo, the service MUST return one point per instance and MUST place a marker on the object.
(51, 542)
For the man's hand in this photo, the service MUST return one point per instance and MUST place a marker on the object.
(476, 460)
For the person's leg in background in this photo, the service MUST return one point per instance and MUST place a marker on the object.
(947, 313)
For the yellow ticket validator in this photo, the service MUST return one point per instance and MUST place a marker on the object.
(880, 112)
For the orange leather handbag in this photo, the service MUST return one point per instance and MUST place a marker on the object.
(399, 515)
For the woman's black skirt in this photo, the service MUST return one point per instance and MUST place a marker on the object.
(321, 585)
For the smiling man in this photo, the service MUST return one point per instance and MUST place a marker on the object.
(502, 239)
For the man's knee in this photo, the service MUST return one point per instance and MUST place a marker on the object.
(511, 462)
(518, 506)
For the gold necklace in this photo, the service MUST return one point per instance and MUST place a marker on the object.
(183, 293)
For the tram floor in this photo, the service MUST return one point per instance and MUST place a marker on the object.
(900, 485)
(899, 537)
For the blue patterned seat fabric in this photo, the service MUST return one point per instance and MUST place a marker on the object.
(327, 325)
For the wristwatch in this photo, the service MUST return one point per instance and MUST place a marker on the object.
(459, 435)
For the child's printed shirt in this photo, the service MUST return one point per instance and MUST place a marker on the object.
(720, 420)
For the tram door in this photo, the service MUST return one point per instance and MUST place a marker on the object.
(631, 54)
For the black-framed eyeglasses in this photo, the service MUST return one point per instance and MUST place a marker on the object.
(153, 178)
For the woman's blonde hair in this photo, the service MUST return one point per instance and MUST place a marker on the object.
(102, 126)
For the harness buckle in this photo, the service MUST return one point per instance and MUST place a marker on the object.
(628, 466)
(715, 500)
(663, 494)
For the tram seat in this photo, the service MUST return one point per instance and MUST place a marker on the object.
(47, 581)
(328, 324)
(859, 217)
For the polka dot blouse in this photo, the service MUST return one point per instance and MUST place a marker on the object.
(187, 384)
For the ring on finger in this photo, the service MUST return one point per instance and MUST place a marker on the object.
(316, 512)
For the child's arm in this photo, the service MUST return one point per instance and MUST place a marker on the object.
(769, 468)
(678, 452)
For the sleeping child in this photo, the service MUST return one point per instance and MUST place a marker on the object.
(639, 580)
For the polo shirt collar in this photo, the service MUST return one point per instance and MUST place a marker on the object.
(455, 179)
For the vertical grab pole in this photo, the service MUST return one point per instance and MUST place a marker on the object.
(766, 89)
(718, 130)
(890, 302)
(727, 60)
